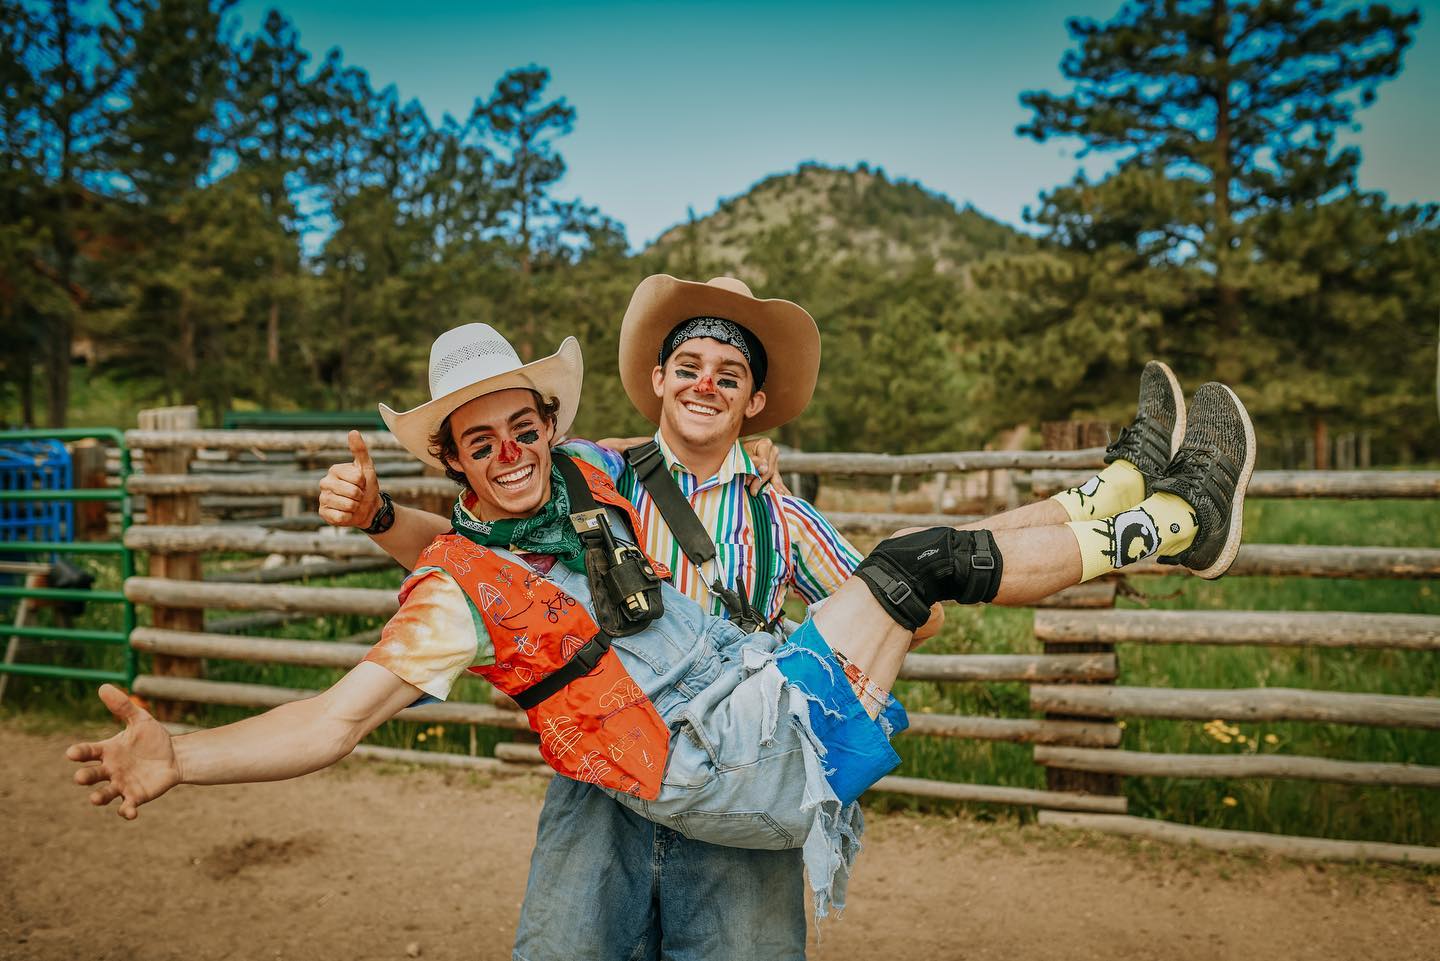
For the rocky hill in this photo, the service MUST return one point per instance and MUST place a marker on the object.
(858, 213)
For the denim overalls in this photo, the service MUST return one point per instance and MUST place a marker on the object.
(750, 755)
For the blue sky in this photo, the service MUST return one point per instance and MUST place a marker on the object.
(682, 104)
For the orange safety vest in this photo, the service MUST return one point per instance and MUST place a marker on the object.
(600, 728)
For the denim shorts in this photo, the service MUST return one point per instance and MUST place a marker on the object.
(608, 885)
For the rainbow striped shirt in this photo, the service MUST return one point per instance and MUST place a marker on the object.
(769, 542)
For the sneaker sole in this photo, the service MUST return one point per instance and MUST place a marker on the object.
(1237, 506)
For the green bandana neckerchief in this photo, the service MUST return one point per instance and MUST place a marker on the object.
(548, 532)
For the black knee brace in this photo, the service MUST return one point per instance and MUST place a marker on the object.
(909, 573)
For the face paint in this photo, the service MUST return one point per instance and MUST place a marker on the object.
(685, 374)
(706, 385)
(528, 437)
(509, 452)
(481, 453)
(729, 383)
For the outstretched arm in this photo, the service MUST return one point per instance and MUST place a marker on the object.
(144, 761)
(350, 497)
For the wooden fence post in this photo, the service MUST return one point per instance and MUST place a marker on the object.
(173, 510)
(1078, 435)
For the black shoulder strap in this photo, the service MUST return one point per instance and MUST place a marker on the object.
(580, 497)
(582, 663)
(649, 466)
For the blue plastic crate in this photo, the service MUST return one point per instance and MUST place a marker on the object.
(35, 465)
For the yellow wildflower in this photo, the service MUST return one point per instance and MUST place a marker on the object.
(1271, 739)
(420, 736)
(1228, 801)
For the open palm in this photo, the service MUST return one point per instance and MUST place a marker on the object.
(137, 765)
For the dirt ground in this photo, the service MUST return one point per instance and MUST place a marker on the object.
(370, 861)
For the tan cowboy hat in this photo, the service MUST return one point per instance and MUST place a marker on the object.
(473, 360)
(788, 332)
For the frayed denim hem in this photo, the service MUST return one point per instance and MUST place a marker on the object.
(773, 754)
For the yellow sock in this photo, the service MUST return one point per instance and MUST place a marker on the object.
(1161, 524)
(1118, 487)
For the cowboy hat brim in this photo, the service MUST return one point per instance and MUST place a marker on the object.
(791, 339)
(558, 376)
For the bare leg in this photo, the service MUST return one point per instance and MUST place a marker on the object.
(1038, 562)
(1046, 513)
(853, 623)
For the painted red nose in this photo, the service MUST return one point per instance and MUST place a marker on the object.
(509, 452)
(706, 384)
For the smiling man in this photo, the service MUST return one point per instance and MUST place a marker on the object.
(708, 363)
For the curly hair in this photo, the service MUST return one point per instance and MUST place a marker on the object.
(443, 447)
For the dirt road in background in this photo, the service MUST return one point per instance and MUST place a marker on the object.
(372, 862)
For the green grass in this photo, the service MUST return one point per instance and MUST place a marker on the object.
(1410, 815)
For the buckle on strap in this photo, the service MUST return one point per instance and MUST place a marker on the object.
(589, 655)
(981, 558)
(645, 458)
(896, 590)
(582, 662)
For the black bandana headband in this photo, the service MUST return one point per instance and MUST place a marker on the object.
(725, 331)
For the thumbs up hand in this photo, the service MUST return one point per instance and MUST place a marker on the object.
(350, 493)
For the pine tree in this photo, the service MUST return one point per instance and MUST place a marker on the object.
(270, 132)
(60, 69)
(1224, 116)
(524, 127)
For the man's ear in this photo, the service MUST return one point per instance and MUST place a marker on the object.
(657, 380)
(755, 404)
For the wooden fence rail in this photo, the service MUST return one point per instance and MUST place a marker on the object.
(1290, 483)
(1274, 560)
(1416, 632)
(1263, 484)
(1141, 763)
(1244, 704)
(979, 668)
(1316, 849)
(261, 597)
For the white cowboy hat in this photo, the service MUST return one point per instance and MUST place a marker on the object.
(787, 331)
(473, 360)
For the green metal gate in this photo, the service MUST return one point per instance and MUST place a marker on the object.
(119, 638)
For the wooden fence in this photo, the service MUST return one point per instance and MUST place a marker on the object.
(1076, 737)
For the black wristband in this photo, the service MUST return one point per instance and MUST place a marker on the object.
(384, 518)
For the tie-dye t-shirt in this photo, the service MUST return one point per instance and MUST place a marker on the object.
(434, 637)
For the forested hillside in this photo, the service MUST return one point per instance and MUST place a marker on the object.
(861, 214)
(197, 214)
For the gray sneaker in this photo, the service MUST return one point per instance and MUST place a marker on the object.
(1152, 438)
(1210, 472)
